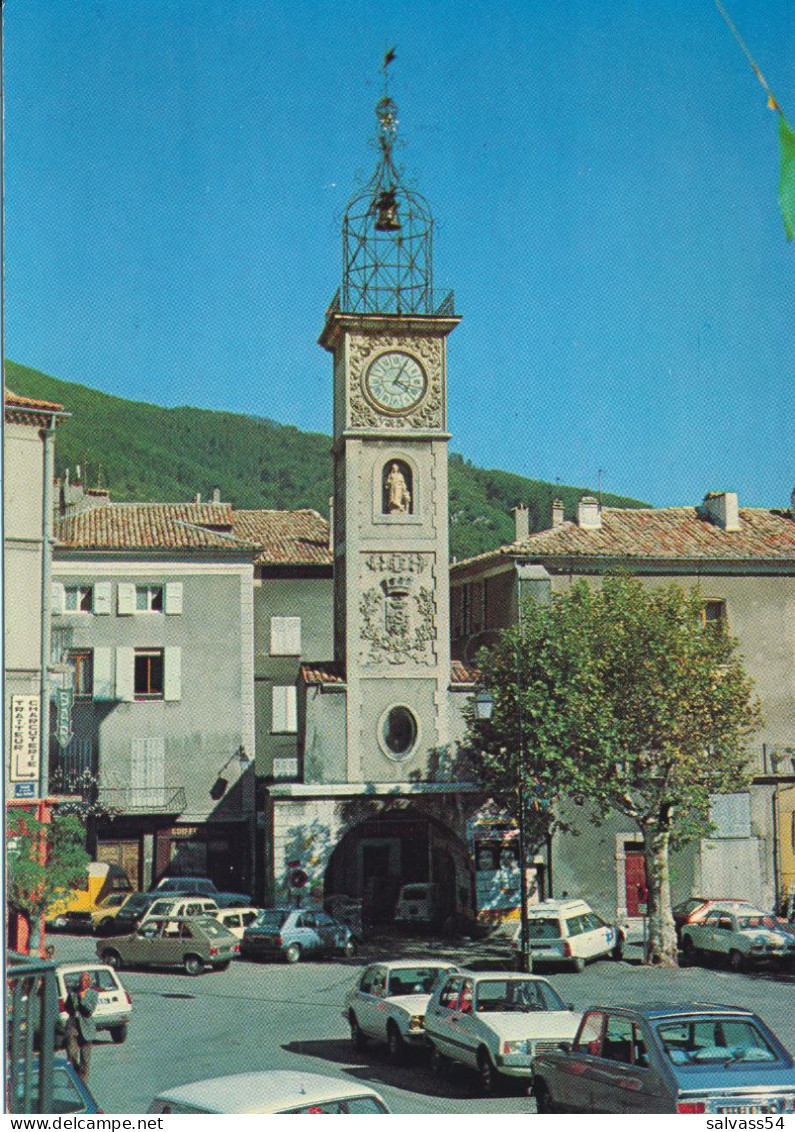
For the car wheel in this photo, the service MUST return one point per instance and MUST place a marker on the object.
(736, 960)
(104, 927)
(439, 1063)
(578, 964)
(543, 1098)
(349, 949)
(112, 958)
(395, 1044)
(487, 1074)
(618, 951)
(357, 1035)
(292, 953)
(119, 1033)
(193, 965)
(690, 949)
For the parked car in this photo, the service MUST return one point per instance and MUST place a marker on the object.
(190, 943)
(569, 932)
(388, 1002)
(73, 912)
(494, 1022)
(129, 914)
(422, 905)
(292, 933)
(271, 1091)
(69, 1093)
(231, 899)
(180, 906)
(236, 920)
(742, 934)
(694, 909)
(114, 1004)
(690, 1058)
(106, 911)
(188, 885)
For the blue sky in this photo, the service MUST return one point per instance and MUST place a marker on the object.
(603, 176)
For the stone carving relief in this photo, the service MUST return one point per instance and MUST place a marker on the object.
(398, 623)
(428, 414)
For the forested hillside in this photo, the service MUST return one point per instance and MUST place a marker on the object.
(145, 452)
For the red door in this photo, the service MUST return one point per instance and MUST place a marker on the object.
(635, 880)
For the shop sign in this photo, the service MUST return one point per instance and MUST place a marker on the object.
(25, 731)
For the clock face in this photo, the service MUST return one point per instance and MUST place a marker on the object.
(395, 382)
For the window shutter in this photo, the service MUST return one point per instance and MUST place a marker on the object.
(125, 671)
(102, 597)
(284, 715)
(125, 601)
(103, 686)
(172, 681)
(173, 597)
(147, 771)
(56, 597)
(285, 636)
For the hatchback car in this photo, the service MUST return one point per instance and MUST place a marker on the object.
(272, 1091)
(192, 944)
(292, 933)
(420, 905)
(114, 1005)
(236, 920)
(690, 1058)
(388, 1002)
(495, 1022)
(179, 907)
(742, 934)
(103, 917)
(185, 885)
(695, 908)
(568, 932)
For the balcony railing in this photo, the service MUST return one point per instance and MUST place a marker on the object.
(143, 799)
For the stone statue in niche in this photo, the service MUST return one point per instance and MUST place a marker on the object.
(397, 496)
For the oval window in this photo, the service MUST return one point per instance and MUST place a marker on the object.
(399, 731)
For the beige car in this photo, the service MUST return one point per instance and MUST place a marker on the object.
(106, 912)
(178, 906)
(236, 920)
(190, 943)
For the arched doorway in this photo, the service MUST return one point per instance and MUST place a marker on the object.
(395, 847)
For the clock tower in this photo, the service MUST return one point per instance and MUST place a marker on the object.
(388, 338)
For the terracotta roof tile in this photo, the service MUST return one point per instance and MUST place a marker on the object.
(29, 403)
(326, 672)
(162, 526)
(460, 673)
(285, 537)
(662, 533)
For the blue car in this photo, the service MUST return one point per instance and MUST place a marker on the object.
(69, 1093)
(695, 1057)
(292, 933)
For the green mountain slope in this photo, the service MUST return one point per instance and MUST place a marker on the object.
(144, 452)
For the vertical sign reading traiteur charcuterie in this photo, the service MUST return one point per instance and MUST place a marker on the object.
(25, 738)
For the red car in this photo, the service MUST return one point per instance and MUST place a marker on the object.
(694, 910)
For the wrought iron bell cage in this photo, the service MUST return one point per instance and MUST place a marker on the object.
(387, 238)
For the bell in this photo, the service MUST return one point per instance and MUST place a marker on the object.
(387, 219)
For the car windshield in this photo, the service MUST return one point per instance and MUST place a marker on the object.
(413, 980)
(162, 907)
(137, 902)
(516, 996)
(272, 918)
(114, 900)
(705, 1041)
(689, 906)
(756, 922)
(543, 928)
(212, 928)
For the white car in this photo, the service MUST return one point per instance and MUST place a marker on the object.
(114, 1006)
(273, 1091)
(175, 907)
(388, 1004)
(568, 932)
(741, 934)
(236, 920)
(495, 1022)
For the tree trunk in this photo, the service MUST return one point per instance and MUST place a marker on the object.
(662, 950)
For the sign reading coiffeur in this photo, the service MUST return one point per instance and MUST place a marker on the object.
(25, 738)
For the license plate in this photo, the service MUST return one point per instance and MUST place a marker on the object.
(750, 1109)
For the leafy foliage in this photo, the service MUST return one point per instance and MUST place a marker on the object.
(144, 452)
(45, 861)
(622, 699)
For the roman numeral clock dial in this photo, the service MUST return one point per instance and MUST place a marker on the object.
(395, 382)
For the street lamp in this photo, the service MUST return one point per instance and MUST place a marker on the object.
(484, 708)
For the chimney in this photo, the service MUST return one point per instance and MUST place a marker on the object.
(557, 513)
(331, 523)
(216, 495)
(792, 504)
(198, 497)
(589, 516)
(722, 509)
(521, 518)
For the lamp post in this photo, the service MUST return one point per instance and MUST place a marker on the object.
(484, 708)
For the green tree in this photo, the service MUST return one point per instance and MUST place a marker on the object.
(46, 861)
(620, 699)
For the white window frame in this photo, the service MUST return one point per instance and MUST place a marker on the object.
(83, 592)
(150, 591)
(285, 636)
(284, 709)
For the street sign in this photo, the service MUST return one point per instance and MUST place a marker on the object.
(298, 879)
(64, 698)
(24, 789)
